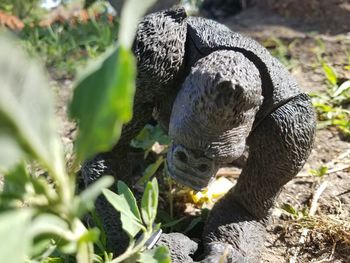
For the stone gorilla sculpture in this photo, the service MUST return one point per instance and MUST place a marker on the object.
(217, 94)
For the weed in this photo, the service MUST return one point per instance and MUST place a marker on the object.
(332, 105)
(282, 51)
(319, 172)
(64, 47)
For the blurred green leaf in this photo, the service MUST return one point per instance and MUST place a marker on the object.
(155, 255)
(330, 73)
(132, 13)
(103, 101)
(10, 150)
(27, 119)
(289, 209)
(90, 235)
(15, 182)
(86, 200)
(193, 223)
(148, 136)
(15, 239)
(345, 86)
(53, 260)
(150, 170)
(320, 172)
(52, 225)
(149, 203)
(130, 223)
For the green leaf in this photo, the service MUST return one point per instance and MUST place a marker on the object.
(53, 260)
(320, 172)
(27, 119)
(15, 182)
(149, 202)
(124, 190)
(14, 236)
(156, 255)
(10, 150)
(103, 101)
(289, 209)
(148, 136)
(193, 223)
(150, 170)
(90, 235)
(51, 225)
(345, 86)
(131, 14)
(130, 223)
(330, 73)
(86, 200)
(172, 223)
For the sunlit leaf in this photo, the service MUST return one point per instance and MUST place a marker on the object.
(130, 223)
(124, 190)
(345, 86)
(15, 238)
(149, 202)
(27, 119)
(103, 101)
(330, 73)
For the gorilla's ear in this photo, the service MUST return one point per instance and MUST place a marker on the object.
(227, 93)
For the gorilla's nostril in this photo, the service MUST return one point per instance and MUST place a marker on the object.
(182, 156)
(203, 168)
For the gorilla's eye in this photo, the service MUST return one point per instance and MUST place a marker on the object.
(203, 168)
(182, 156)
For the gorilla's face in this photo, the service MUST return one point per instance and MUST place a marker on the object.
(189, 167)
(212, 116)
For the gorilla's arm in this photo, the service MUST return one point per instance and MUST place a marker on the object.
(279, 147)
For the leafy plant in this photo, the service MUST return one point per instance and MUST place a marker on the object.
(149, 138)
(281, 51)
(332, 106)
(20, 8)
(64, 46)
(40, 214)
(294, 212)
(133, 221)
(319, 172)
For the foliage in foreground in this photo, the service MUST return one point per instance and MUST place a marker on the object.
(40, 213)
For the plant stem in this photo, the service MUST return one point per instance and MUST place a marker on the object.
(134, 249)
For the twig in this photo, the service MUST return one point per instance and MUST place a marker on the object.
(313, 208)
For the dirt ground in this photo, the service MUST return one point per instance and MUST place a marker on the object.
(303, 37)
